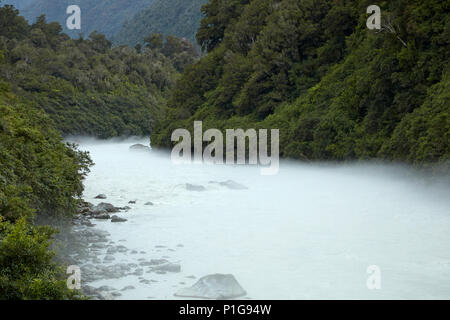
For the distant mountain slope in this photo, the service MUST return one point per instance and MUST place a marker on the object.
(19, 4)
(180, 18)
(105, 16)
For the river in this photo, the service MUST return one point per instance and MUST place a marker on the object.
(309, 232)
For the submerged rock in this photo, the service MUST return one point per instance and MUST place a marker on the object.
(128, 288)
(215, 286)
(139, 147)
(193, 187)
(230, 184)
(167, 267)
(148, 203)
(100, 196)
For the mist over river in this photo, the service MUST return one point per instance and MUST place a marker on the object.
(309, 232)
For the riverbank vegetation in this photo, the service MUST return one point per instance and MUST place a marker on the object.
(39, 176)
(86, 86)
(336, 90)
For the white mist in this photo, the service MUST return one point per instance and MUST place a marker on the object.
(309, 232)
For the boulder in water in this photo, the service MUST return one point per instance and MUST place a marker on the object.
(100, 196)
(193, 187)
(230, 184)
(102, 216)
(167, 267)
(214, 286)
(108, 207)
(118, 219)
(139, 147)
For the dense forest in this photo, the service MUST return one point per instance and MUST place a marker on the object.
(39, 175)
(336, 90)
(86, 86)
(180, 18)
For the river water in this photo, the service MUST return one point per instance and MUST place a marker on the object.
(309, 232)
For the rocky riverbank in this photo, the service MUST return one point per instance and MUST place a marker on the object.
(93, 251)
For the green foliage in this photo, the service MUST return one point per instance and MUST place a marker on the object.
(180, 18)
(336, 90)
(154, 41)
(39, 175)
(86, 86)
(27, 270)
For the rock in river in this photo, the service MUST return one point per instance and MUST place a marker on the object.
(167, 267)
(102, 216)
(139, 147)
(214, 286)
(230, 184)
(193, 187)
(108, 207)
(118, 219)
(100, 196)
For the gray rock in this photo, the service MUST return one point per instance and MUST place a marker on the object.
(121, 248)
(106, 288)
(233, 185)
(98, 245)
(138, 272)
(148, 203)
(128, 288)
(153, 262)
(215, 286)
(109, 258)
(108, 207)
(193, 187)
(132, 202)
(103, 216)
(168, 267)
(117, 219)
(111, 250)
(139, 147)
(100, 196)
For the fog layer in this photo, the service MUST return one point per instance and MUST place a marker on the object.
(309, 232)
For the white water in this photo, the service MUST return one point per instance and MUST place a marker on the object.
(309, 232)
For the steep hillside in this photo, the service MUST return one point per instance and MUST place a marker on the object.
(180, 18)
(84, 85)
(336, 90)
(39, 176)
(104, 16)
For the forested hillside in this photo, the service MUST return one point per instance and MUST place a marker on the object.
(39, 176)
(336, 90)
(104, 16)
(180, 18)
(86, 86)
